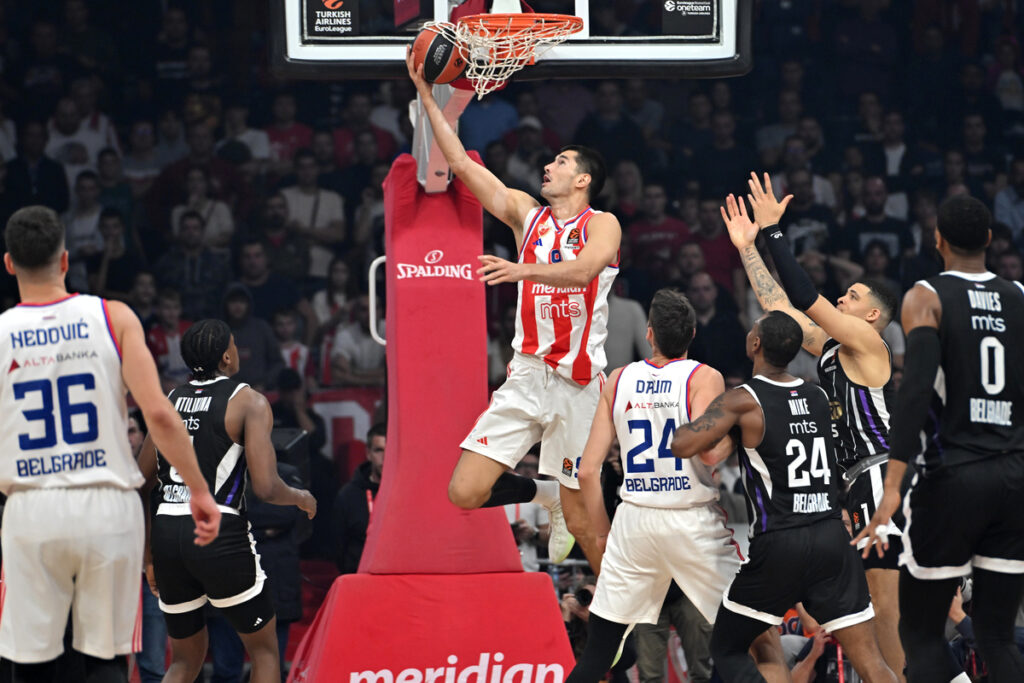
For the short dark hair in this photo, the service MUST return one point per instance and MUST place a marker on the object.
(589, 161)
(111, 212)
(303, 153)
(673, 321)
(888, 301)
(203, 345)
(87, 175)
(169, 294)
(379, 429)
(964, 222)
(34, 237)
(781, 338)
(189, 215)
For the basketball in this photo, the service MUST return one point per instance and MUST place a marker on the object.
(442, 60)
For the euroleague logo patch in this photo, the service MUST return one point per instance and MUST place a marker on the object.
(567, 467)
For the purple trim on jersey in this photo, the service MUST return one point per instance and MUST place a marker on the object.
(935, 432)
(49, 303)
(234, 489)
(760, 501)
(871, 420)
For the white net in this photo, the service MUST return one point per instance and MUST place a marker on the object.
(495, 46)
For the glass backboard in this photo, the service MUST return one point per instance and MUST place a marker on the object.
(356, 39)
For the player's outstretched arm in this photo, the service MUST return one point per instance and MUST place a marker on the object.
(507, 205)
(165, 426)
(743, 233)
(261, 458)
(704, 433)
(707, 385)
(603, 238)
(602, 433)
(922, 312)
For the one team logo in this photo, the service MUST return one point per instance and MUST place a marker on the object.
(567, 467)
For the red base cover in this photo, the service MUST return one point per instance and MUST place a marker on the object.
(421, 628)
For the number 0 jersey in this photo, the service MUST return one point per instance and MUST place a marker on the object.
(650, 402)
(978, 402)
(64, 422)
(202, 406)
(563, 326)
(791, 477)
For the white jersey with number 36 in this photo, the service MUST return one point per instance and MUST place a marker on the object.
(64, 422)
(650, 402)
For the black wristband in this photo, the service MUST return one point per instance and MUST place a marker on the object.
(795, 280)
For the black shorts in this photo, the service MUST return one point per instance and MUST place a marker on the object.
(966, 515)
(226, 573)
(861, 499)
(815, 565)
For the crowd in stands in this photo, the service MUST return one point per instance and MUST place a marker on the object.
(194, 182)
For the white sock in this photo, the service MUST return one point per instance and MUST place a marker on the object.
(547, 493)
(962, 678)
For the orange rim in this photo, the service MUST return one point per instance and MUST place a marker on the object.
(523, 22)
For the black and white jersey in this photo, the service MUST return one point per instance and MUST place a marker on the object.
(860, 414)
(791, 478)
(977, 406)
(202, 406)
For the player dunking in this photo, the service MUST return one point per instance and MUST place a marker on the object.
(961, 418)
(73, 529)
(230, 425)
(568, 257)
(855, 370)
(668, 526)
(799, 548)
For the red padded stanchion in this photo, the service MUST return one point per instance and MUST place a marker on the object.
(440, 596)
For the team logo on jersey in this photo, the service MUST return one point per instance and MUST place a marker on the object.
(837, 410)
(483, 440)
(543, 229)
(14, 366)
(573, 240)
(629, 406)
(567, 467)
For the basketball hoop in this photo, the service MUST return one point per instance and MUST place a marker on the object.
(495, 46)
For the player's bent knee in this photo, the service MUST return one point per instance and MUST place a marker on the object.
(464, 496)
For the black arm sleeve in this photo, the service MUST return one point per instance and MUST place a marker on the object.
(924, 353)
(795, 280)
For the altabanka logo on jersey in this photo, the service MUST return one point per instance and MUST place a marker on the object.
(432, 267)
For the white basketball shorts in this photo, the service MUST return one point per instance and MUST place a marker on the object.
(537, 404)
(77, 549)
(649, 547)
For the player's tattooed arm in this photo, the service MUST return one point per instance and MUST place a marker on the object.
(706, 431)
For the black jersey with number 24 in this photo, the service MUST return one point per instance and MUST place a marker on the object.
(791, 477)
(977, 406)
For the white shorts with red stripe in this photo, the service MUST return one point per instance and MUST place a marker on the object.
(648, 548)
(77, 549)
(537, 404)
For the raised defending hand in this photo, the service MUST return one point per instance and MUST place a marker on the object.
(496, 270)
(206, 515)
(416, 74)
(767, 209)
(742, 230)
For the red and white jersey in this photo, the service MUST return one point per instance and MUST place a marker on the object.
(563, 326)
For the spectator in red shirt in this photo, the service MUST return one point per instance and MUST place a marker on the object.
(720, 257)
(655, 237)
(287, 136)
(357, 120)
(164, 339)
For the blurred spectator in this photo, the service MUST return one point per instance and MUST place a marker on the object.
(878, 264)
(331, 304)
(354, 503)
(626, 189)
(486, 120)
(358, 360)
(655, 237)
(199, 273)
(367, 240)
(986, 163)
(115, 191)
(82, 236)
(821, 158)
(141, 164)
(972, 97)
(258, 353)
(236, 127)
(806, 223)
(627, 325)
(563, 103)
(292, 411)
(1006, 78)
(876, 225)
(35, 178)
(694, 633)
(44, 72)
(287, 136)
(355, 178)
(694, 133)
(8, 134)
(644, 110)
(499, 345)
(526, 164)
(391, 105)
(721, 259)
(290, 249)
(142, 297)
(357, 121)
(270, 291)
(94, 123)
(1009, 205)
(1010, 266)
(527, 106)
(112, 271)
(954, 174)
(294, 353)
(530, 523)
(867, 52)
(732, 162)
(1001, 242)
(330, 176)
(164, 339)
(220, 226)
(171, 145)
(719, 339)
(316, 214)
(794, 158)
(770, 138)
(204, 83)
(905, 165)
(608, 130)
(8, 200)
(67, 135)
